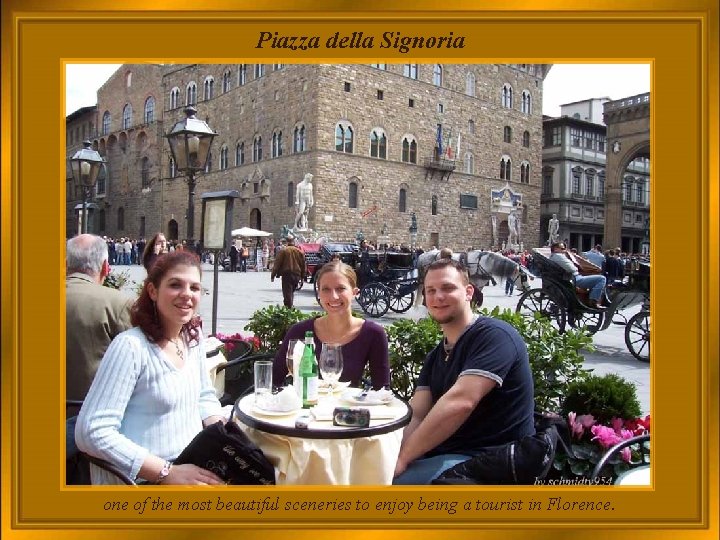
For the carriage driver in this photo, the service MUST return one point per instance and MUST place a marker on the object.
(595, 283)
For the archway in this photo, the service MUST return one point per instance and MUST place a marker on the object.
(628, 137)
(172, 230)
(256, 219)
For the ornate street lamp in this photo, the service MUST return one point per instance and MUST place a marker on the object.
(85, 166)
(190, 141)
(413, 229)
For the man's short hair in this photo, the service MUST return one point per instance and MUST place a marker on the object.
(86, 253)
(444, 263)
(557, 245)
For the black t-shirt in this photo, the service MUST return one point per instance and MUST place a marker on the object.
(488, 348)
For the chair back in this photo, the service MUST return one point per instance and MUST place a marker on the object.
(615, 450)
(239, 378)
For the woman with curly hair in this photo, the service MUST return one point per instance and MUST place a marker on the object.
(152, 393)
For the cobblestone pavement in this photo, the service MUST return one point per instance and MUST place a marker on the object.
(242, 293)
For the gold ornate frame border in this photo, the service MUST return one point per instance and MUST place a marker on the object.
(679, 38)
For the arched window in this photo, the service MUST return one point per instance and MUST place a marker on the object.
(409, 150)
(525, 173)
(378, 144)
(277, 149)
(128, 79)
(470, 84)
(437, 75)
(226, 81)
(471, 127)
(242, 74)
(507, 134)
(402, 200)
(149, 110)
(259, 70)
(434, 205)
(121, 219)
(208, 164)
(106, 123)
(223, 158)
(191, 94)
(353, 195)
(172, 171)
(526, 102)
(526, 139)
(175, 98)
(505, 168)
(145, 172)
(410, 70)
(208, 88)
(240, 154)
(299, 139)
(344, 137)
(127, 116)
(469, 163)
(291, 194)
(507, 96)
(257, 148)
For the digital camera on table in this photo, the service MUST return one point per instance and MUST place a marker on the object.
(351, 417)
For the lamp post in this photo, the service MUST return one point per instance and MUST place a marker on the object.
(85, 166)
(413, 230)
(190, 141)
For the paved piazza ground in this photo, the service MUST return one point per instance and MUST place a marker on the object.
(241, 294)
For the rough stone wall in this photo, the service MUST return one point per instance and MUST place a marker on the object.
(315, 96)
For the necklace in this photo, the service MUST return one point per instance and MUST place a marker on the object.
(178, 349)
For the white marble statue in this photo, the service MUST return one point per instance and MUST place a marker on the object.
(554, 230)
(303, 202)
(513, 233)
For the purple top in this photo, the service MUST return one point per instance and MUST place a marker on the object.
(370, 345)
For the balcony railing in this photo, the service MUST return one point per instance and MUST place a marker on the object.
(440, 164)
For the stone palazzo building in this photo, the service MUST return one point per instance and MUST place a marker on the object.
(458, 146)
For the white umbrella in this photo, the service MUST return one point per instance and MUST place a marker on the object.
(248, 232)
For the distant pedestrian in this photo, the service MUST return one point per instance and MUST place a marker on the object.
(290, 266)
(233, 257)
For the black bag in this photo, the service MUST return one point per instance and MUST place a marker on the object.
(225, 450)
(519, 462)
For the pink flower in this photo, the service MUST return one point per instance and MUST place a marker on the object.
(576, 428)
(587, 420)
(625, 454)
(617, 424)
(605, 436)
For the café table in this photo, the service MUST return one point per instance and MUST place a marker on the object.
(323, 453)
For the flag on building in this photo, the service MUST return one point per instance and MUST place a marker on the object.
(439, 140)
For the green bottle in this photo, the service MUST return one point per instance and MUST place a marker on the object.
(308, 373)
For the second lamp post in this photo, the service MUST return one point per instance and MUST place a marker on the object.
(190, 141)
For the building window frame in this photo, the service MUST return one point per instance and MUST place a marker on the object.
(208, 88)
(353, 195)
(507, 96)
(106, 123)
(507, 134)
(410, 71)
(526, 139)
(299, 141)
(438, 75)
(506, 168)
(470, 84)
(402, 200)
(378, 143)
(344, 137)
(409, 149)
(257, 149)
(127, 116)
(149, 112)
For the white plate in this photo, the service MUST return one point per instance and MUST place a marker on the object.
(351, 394)
(266, 412)
(325, 388)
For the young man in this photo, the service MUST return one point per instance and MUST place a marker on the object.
(290, 266)
(475, 389)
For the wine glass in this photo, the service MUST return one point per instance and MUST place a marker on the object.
(331, 364)
(289, 360)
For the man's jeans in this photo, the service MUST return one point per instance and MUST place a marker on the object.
(596, 284)
(424, 471)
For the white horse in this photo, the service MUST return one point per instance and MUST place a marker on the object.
(483, 267)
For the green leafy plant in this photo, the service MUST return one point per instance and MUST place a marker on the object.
(270, 324)
(604, 397)
(409, 343)
(555, 358)
(118, 279)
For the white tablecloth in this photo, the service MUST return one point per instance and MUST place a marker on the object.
(360, 461)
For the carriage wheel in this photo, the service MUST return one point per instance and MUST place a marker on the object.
(400, 304)
(300, 284)
(373, 299)
(538, 301)
(591, 321)
(637, 336)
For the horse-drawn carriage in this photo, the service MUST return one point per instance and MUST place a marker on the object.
(560, 301)
(387, 281)
(316, 255)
